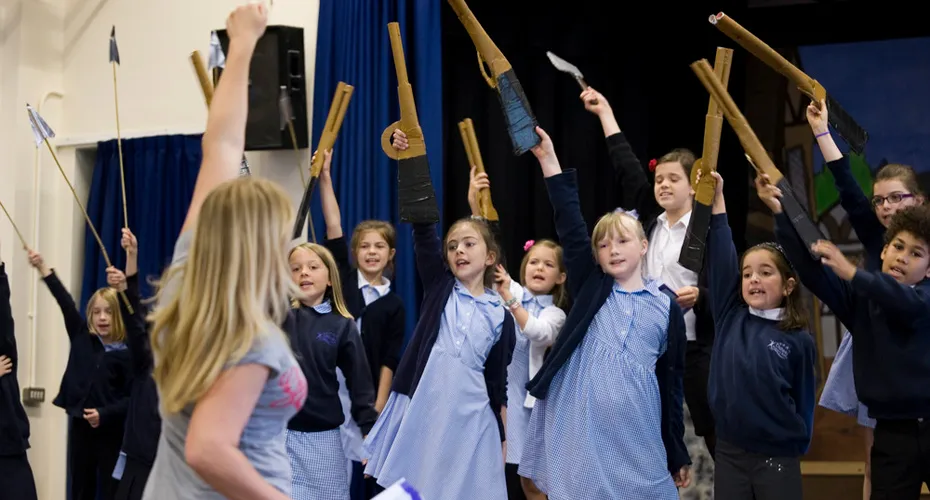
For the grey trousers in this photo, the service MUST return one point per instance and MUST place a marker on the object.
(741, 475)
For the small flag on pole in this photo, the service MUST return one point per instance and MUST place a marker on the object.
(244, 170)
(40, 130)
(114, 50)
(217, 57)
(284, 107)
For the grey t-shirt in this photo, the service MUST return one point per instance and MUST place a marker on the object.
(263, 439)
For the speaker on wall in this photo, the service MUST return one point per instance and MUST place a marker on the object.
(278, 62)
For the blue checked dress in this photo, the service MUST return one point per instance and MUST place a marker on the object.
(518, 375)
(598, 434)
(839, 392)
(444, 440)
(318, 460)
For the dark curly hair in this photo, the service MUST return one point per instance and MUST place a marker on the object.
(914, 220)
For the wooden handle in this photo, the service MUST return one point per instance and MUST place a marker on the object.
(397, 49)
(713, 126)
(485, 206)
(807, 85)
(408, 123)
(337, 113)
(486, 47)
(737, 121)
(205, 84)
(463, 130)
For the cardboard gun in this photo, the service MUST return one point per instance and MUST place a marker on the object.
(692, 250)
(415, 193)
(521, 123)
(759, 159)
(206, 85)
(467, 128)
(337, 113)
(854, 135)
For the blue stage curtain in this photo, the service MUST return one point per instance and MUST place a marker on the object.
(160, 175)
(353, 46)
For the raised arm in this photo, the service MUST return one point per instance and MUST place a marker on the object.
(74, 323)
(566, 207)
(331, 214)
(723, 273)
(893, 297)
(224, 138)
(354, 366)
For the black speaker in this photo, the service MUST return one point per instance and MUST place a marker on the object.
(278, 62)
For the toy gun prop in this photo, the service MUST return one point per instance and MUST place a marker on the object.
(206, 85)
(521, 123)
(337, 113)
(415, 193)
(692, 250)
(467, 128)
(759, 159)
(854, 135)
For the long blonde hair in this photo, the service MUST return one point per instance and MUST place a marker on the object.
(230, 293)
(117, 327)
(334, 291)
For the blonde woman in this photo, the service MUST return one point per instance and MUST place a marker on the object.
(226, 377)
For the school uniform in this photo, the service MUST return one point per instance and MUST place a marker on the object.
(97, 376)
(661, 263)
(619, 358)
(889, 324)
(322, 341)
(839, 391)
(762, 386)
(143, 421)
(16, 479)
(380, 317)
(441, 428)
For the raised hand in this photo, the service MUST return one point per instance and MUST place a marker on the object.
(502, 280)
(817, 117)
(116, 279)
(476, 183)
(247, 23)
(832, 257)
(327, 163)
(595, 102)
(399, 140)
(719, 206)
(36, 261)
(769, 193)
(129, 243)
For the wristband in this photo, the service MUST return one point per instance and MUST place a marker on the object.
(512, 301)
(514, 306)
(822, 134)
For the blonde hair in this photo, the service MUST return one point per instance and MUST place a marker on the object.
(334, 291)
(117, 327)
(231, 293)
(616, 223)
(558, 291)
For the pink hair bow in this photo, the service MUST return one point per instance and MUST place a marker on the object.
(528, 245)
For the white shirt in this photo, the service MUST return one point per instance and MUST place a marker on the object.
(662, 261)
(776, 314)
(541, 330)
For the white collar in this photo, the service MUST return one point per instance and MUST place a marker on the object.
(685, 219)
(776, 314)
(382, 289)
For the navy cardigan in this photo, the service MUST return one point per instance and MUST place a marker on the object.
(438, 282)
(869, 229)
(14, 425)
(589, 287)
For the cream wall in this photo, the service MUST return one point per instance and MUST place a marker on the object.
(60, 46)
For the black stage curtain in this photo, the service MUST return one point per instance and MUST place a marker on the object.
(638, 57)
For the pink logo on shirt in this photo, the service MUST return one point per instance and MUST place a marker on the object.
(294, 385)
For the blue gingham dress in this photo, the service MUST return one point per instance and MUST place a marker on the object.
(444, 440)
(598, 434)
(318, 461)
(839, 392)
(518, 415)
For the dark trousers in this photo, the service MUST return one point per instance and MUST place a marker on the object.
(697, 371)
(92, 456)
(514, 488)
(900, 459)
(135, 475)
(361, 487)
(741, 475)
(16, 480)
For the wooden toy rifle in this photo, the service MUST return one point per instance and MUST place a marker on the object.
(467, 128)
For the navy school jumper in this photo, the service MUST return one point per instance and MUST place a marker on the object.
(869, 229)
(589, 288)
(438, 282)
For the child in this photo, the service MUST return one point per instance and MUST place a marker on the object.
(665, 212)
(143, 423)
(608, 420)
(95, 387)
(379, 312)
(16, 479)
(888, 314)
(895, 187)
(762, 379)
(324, 337)
(442, 427)
(537, 308)
(227, 380)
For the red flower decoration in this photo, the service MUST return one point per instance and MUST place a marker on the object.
(652, 165)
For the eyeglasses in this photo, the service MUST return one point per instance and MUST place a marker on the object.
(893, 198)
